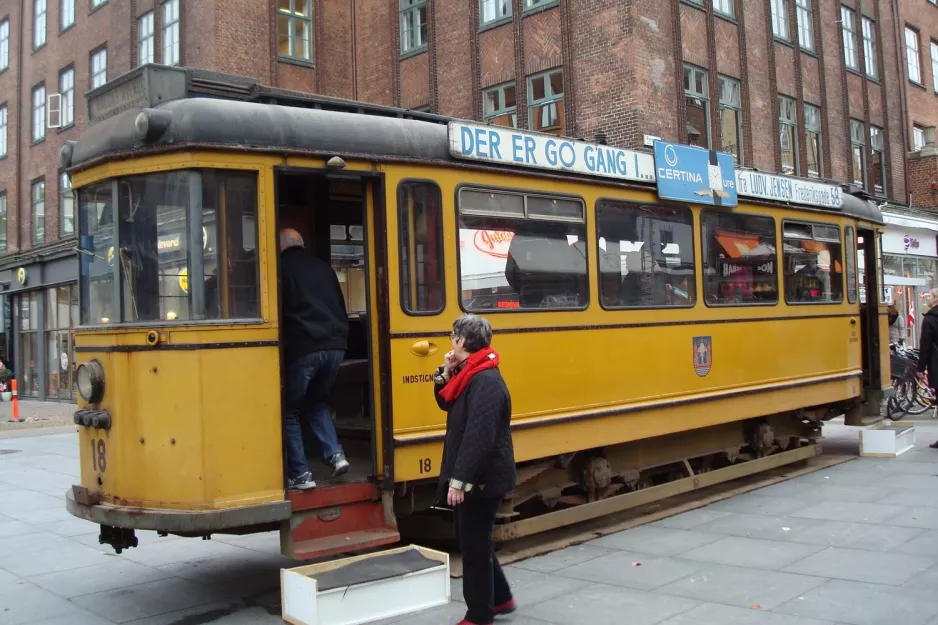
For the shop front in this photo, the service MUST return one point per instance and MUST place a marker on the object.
(40, 302)
(910, 268)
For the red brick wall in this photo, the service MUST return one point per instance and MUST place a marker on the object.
(694, 36)
(762, 101)
(455, 31)
(415, 81)
(496, 56)
(785, 70)
(376, 51)
(727, 49)
(923, 179)
(542, 41)
(9, 86)
(335, 58)
(923, 101)
(811, 79)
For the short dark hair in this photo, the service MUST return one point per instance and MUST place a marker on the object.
(475, 330)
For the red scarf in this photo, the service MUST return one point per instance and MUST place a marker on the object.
(480, 361)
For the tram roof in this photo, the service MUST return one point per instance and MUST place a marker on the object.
(237, 113)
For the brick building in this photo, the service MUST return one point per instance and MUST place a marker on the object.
(806, 87)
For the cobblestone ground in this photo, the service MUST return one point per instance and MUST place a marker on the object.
(853, 544)
(36, 414)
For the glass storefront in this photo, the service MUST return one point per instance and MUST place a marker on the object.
(907, 278)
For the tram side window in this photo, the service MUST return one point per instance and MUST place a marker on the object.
(812, 258)
(850, 237)
(645, 255)
(740, 259)
(521, 251)
(96, 257)
(420, 227)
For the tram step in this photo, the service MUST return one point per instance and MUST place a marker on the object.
(345, 528)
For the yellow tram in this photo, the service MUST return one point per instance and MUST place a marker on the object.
(651, 346)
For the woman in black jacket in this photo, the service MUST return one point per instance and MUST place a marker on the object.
(928, 351)
(478, 467)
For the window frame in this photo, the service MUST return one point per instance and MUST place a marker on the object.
(933, 47)
(97, 4)
(793, 124)
(42, 16)
(68, 99)
(634, 203)
(524, 193)
(848, 36)
(166, 26)
(818, 130)
(740, 159)
(511, 110)
(778, 266)
(547, 99)
(4, 208)
(870, 49)
(4, 130)
(719, 10)
(483, 23)
(292, 16)
(441, 253)
(689, 94)
(805, 25)
(403, 11)
(910, 30)
(537, 5)
(91, 57)
(63, 26)
(916, 131)
(149, 40)
(778, 14)
(63, 190)
(882, 158)
(863, 156)
(33, 203)
(840, 233)
(4, 44)
(39, 110)
(850, 260)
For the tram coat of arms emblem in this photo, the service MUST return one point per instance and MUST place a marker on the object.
(703, 355)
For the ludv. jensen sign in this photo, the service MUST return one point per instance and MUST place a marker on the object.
(511, 147)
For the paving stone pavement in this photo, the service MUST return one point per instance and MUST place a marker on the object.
(855, 544)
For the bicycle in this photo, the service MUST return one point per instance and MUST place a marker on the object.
(912, 395)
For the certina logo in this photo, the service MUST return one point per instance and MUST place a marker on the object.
(670, 156)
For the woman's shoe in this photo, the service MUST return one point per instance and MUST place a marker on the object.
(506, 608)
(934, 445)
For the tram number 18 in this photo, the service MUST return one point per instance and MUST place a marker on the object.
(98, 455)
(425, 465)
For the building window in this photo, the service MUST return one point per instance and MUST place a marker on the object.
(740, 263)
(146, 47)
(4, 44)
(697, 102)
(805, 24)
(731, 118)
(780, 20)
(413, 25)
(912, 55)
(812, 129)
(420, 233)
(61, 315)
(494, 10)
(98, 68)
(39, 23)
(536, 4)
(171, 32)
(812, 258)
(295, 29)
(645, 255)
(545, 94)
(3, 223)
(869, 47)
(524, 251)
(918, 138)
(97, 3)
(848, 26)
(67, 91)
(39, 113)
(67, 205)
(858, 152)
(788, 134)
(28, 361)
(3, 131)
(66, 14)
(934, 65)
(500, 105)
(724, 7)
(39, 211)
(877, 161)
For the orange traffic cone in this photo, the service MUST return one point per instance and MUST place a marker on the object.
(16, 401)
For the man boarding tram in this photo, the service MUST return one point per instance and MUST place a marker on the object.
(315, 338)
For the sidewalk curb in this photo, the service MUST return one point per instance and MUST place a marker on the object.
(40, 431)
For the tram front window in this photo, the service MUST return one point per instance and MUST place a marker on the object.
(187, 244)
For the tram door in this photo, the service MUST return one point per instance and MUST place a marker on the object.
(869, 331)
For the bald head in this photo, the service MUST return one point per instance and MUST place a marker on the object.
(290, 238)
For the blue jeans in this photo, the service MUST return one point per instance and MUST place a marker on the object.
(308, 382)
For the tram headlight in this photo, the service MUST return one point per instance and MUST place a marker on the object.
(90, 381)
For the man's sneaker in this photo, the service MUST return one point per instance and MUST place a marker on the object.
(339, 464)
(301, 482)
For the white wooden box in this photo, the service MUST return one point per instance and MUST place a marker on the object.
(356, 602)
(883, 441)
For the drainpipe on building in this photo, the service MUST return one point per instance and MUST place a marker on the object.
(19, 132)
(900, 45)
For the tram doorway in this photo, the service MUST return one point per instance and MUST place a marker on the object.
(869, 332)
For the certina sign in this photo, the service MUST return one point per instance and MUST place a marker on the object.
(507, 146)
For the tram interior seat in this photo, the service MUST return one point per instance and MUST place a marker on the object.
(328, 214)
